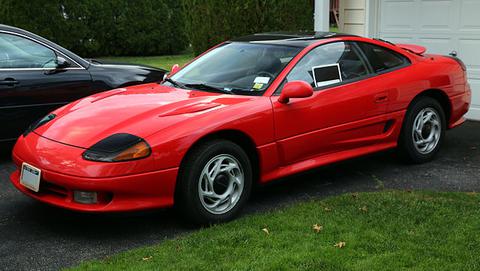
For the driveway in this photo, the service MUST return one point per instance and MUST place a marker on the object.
(34, 236)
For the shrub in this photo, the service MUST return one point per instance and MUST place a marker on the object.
(209, 22)
(102, 27)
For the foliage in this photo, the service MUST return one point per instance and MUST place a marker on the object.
(364, 231)
(209, 22)
(152, 27)
(102, 27)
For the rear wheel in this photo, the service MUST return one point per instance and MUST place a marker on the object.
(422, 131)
(214, 182)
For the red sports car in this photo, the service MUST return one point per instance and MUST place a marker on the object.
(247, 111)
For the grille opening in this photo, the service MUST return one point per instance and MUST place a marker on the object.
(50, 188)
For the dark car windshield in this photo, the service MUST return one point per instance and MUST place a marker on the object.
(239, 68)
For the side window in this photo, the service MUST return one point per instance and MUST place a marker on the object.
(344, 54)
(21, 53)
(382, 59)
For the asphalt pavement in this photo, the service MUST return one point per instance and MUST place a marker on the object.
(34, 236)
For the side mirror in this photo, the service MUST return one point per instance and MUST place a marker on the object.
(295, 89)
(175, 69)
(62, 63)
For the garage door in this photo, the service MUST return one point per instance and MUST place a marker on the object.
(440, 25)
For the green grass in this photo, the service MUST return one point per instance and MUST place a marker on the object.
(164, 62)
(381, 231)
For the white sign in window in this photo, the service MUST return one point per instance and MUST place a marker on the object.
(326, 75)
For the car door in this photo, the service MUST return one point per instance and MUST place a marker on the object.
(339, 116)
(31, 83)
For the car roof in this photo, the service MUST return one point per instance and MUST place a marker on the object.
(297, 39)
(5, 27)
(38, 38)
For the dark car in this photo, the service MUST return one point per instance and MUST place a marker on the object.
(37, 76)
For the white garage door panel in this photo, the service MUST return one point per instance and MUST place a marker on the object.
(395, 21)
(469, 11)
(437, 15)
(442, 26)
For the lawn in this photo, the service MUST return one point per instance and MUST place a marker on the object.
(364, 231)
(164, 62)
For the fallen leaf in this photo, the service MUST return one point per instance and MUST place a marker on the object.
(147, 258)
(471, 193)
(265, 230)
(317, 228)
(473, 148)
(340, 244)
(363, 209)
(327, 209)
(354, 195)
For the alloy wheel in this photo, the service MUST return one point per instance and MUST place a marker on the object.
(426, 130)
(221, 183)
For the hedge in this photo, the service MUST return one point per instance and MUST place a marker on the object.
(152, 27)
(209, 22)
(102, 27)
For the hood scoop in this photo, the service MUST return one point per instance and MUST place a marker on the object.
(192, 108)
(108, 94)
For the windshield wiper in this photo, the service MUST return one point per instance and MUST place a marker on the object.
(203, 86)
(175, 83)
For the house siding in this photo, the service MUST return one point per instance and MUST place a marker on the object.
(352, 17)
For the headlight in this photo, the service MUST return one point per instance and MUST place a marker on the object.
(117, 148)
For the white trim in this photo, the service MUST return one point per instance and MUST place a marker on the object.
(46, 45)
(322, 15)
(38, 69)
(371, 18)
(328, 82)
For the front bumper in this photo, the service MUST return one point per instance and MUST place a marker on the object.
(129, 192)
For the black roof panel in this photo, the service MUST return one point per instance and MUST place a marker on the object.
(300, 39)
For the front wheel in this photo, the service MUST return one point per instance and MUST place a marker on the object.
(422, 131)
(214, 182)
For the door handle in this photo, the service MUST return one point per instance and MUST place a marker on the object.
(381, 98)
(9, 82)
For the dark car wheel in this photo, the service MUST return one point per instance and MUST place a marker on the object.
(422, 131)
(214, 182)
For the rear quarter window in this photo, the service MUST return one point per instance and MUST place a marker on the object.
(382, 59)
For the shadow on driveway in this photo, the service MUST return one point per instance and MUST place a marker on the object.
(35, 236)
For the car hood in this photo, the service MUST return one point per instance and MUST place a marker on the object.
(139, 110)
(119, 75)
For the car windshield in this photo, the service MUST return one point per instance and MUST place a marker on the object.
(237, 68)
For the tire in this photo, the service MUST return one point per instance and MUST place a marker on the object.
(200, 201)
(409, 147)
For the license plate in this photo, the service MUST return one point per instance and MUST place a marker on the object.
(30, 177)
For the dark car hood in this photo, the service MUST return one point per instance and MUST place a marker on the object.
(121, 75)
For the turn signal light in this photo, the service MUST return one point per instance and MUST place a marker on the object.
(139, 150)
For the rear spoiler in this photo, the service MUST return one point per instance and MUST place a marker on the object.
(416, 49)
